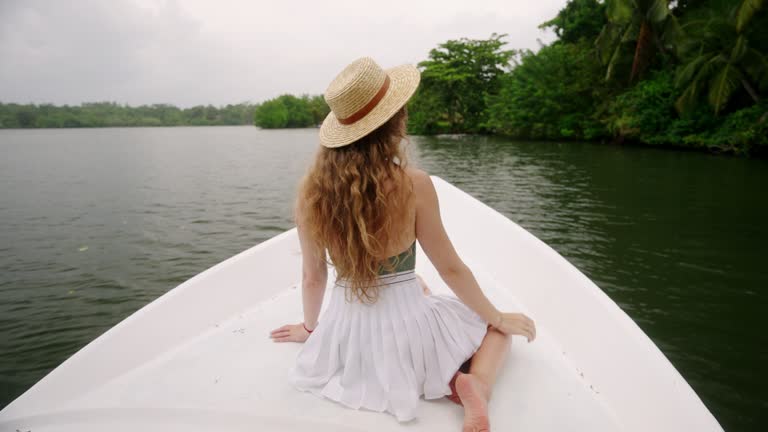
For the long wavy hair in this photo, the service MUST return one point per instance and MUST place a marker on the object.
(355, 200)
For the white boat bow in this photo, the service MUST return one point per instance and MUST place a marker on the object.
(199, 357)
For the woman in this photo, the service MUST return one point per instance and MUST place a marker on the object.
(384, 339)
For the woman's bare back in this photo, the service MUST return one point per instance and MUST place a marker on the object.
(407, 235)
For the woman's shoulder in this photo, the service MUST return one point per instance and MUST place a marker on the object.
(423, 188)
(419, 177)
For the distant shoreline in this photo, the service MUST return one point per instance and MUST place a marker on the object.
(625, 143)
(133, 127)
(111, 114)
(284, 112)
(150, 127)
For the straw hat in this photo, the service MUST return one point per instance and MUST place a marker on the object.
(363, 97)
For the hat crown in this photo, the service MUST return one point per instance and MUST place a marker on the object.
(354, 87)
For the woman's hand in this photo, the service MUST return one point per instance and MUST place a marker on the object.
(290, 333)
(516, 324)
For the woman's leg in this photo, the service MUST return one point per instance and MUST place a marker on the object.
(474, 389)
(488, 359)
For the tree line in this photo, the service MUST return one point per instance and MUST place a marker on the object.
(285, 111)
(110, 114)
(288, 111)
(689, 73)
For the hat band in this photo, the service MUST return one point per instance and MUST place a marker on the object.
(368, 107)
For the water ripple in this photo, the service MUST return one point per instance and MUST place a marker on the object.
(98, 223)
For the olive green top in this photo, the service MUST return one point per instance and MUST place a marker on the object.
(403, 261)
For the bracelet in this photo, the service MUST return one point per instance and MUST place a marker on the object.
(305, 328)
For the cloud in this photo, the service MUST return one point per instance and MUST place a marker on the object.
(199, 52)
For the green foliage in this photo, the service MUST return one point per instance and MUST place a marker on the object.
(578, 20)
(720, 56)
(455, 81)
(646, 113)
(426, 113)
(742, 132)
(288, 111)
(550, 95)
(271, 114)
(110, 114)
(744, 13)
(636, 29)
(318, 108)
(714, 64)
(284, 111)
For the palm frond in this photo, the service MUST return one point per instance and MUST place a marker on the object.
(722, 86)
(686, 73)
(687, 100)
(698, 74)
(606, 42)
(614, 60)
(756, 65)
(619, 11)
(694, 23)
(658, 11)
(739, 49)
(629, 34)
(745, 12)
(672, 34)
(631, 31)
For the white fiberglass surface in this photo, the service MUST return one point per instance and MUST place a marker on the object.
(202, 350)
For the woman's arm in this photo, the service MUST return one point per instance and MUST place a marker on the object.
(314, 275)
(440, 251)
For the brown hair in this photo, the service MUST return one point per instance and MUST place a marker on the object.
(347, 209)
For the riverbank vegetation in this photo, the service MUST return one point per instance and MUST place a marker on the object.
(288, 111)
(687, 74)
(110, 114)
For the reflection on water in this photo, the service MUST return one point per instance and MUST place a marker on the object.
(97, 223)
(677, 239)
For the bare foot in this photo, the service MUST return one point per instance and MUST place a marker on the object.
(473, 394)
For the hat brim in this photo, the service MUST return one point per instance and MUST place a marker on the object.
(404, 80)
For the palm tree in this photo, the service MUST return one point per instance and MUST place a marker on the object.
(745, 11)
(718, 58)
(648, 25)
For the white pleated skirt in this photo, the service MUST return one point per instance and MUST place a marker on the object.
(386, 355)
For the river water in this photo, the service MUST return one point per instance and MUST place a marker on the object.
(96, 223)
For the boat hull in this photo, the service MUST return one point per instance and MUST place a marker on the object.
(199, 356)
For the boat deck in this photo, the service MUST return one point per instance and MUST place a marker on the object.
(199, 357)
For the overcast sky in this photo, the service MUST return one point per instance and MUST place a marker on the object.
(228, 51)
